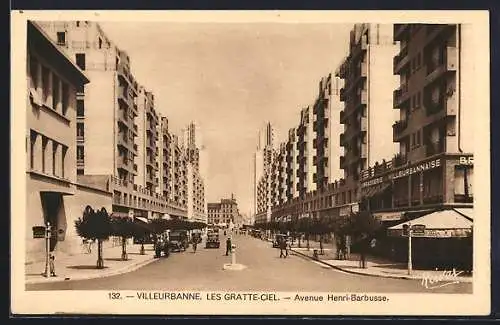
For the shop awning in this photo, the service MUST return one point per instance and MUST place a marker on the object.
(466, 212)
(438, 224)
(145, 220)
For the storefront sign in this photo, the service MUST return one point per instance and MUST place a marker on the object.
(388, 216)
(417, 230)
(432, 233)
(372, 182)
(417, 168)
(466, 160)
(38, 232)
(347, 210)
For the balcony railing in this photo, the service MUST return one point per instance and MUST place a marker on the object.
(447, 64)
(398, 128)
(401, 60)
(80, 138)
(400, 95)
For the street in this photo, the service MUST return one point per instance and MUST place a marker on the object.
(265, 271)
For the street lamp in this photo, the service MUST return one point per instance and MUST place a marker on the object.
(408, 232)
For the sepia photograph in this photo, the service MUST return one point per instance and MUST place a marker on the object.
(250, 163)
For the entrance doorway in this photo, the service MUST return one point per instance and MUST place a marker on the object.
(52, 204)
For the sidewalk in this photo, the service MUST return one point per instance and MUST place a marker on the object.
(83, 266)
(376, 266)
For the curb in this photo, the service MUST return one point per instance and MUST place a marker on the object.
(125, 269)
(404, 277)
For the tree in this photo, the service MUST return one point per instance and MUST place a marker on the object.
(362, 227)
(94, 225)
(124, 228)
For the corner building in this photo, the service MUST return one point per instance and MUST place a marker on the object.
(53, 83)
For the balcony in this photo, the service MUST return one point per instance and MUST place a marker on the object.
(80, 163)
(363, 151)
(401, 31)
(397, 129)
(401, 61)
(363, 124)
(440, 31)
(444, 107)
(80, 139)
(122, 141)
(342, 117)
(448, 64)
(401, 96)
(342, 162)
(360, 47)
(123, 95)
(342, 94)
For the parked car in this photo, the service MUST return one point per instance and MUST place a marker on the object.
(178, 241)
(212, 240)
(162, 246)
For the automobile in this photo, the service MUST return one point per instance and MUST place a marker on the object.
(212, 240)
(178, 241)
(162, 246)
(278, 238)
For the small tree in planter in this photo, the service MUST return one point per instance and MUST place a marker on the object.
(142, 231)
(94, 225)
(124, 228)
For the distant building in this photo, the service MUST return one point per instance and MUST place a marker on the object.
(223, 213)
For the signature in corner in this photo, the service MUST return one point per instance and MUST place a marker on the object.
(434, 281)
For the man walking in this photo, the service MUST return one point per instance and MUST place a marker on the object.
(228, 245)
(283, 248)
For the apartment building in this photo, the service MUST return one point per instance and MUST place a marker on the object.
(223, 213)
(263, 161)
(435, 129)
(148, 123)
(108, 122)
(367, 95)
(51, 129)
(195, 184)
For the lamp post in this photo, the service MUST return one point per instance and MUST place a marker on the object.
(407, 228)
(47, 249)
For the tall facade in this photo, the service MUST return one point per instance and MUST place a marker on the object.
(263, 160)
(53, 83)
(148, 134)
(367, 95)
(196, 188)
(118, 128)
(435, 128)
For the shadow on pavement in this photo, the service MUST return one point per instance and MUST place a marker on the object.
(85, 267)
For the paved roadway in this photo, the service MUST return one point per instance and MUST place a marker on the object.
(265, 272)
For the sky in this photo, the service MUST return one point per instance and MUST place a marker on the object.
(231, 78)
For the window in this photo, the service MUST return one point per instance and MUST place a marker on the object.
(44, 147)
(65, 98)
(54, 156)
(80, 60)
(80, 108)
(64, 151)
(100, 42)
(61, 38)
(33, 137)
(34, 72)
(55, 91)
(45, 84)
(80, 130)
(77, 23)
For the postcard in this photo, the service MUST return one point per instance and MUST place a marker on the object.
(250, 162)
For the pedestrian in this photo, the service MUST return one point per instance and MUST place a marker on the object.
(228, 245)
(52, 267)
(283, 250)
